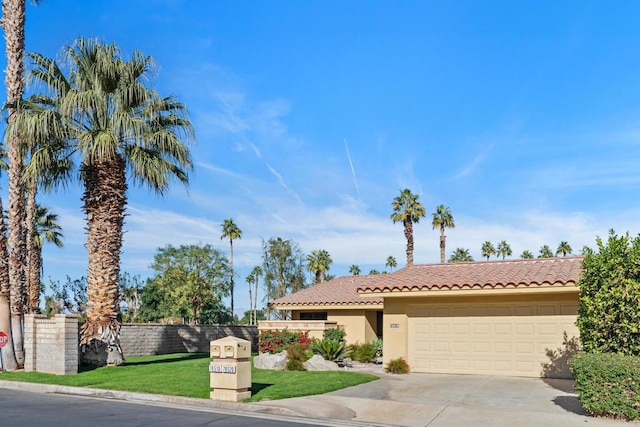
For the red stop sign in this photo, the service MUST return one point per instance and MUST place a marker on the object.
(4, 339)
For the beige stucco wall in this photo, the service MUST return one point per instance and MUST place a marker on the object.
(359, 324)
(394, 328)
(315, 328)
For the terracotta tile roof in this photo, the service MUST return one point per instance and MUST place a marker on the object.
(338, 291)
(480, 275)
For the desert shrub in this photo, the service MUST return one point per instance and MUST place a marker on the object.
(378, 346)
(608, 315)
(335, 334)
(397, 366)
(364, 353)
(608, 384)
(279, 340)
(329, 349)
(296, 356)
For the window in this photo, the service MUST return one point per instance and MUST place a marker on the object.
(313, 315)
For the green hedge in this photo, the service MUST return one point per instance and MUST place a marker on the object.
(608, 384)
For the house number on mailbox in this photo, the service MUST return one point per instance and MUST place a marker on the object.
(222, 369)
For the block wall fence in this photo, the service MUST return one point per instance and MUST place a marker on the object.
(144, 339)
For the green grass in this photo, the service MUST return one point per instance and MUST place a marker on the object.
(188, 375)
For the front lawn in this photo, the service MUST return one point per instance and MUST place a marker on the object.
(187, 374)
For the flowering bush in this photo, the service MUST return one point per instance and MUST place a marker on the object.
(277, 341)
(397, 366)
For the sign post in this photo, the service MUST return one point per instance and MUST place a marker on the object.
(4, 339)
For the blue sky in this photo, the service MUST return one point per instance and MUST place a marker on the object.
(522, 117)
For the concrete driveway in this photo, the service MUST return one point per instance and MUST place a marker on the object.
(448, 400)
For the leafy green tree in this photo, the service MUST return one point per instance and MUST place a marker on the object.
(231, 231)
(563, 248)
(391, 263)
(460, 255)
(319, 262)
(373, 271)
(545, 252)
(250, 318)
(190, 279)
(283, 267)
(354, 269)
(488, 250)
(103, 122)
(442, 219)
(608, 315)
(526, 254)
(503, 249)
(67, 298)
(407, 210)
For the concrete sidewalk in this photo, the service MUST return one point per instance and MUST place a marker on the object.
(397, 400)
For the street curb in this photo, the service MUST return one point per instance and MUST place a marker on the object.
(254, 410)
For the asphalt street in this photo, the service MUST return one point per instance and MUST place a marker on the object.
(26, 409)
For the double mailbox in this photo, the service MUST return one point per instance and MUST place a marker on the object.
(230, 369)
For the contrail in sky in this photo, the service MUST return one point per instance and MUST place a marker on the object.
(353, 171)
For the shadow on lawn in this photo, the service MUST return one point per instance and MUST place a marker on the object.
(192, 356)
(258, 387)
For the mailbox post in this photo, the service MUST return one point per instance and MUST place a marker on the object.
(230, 369)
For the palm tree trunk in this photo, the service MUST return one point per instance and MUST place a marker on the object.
(13, 19)
(255, 302)
(104, 204)
(34, 260)
(8, 361)
(231, 286)
(442, 245)
(408, 233)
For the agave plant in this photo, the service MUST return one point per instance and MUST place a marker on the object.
(330, 350)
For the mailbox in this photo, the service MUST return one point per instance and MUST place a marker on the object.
(230, 369)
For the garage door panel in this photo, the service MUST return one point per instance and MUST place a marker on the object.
(488, 338)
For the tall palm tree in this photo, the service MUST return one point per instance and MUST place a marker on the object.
(110, 123)
(442, 219)
(460, 255)
(391, 263)
(564, 248)
(545, 252)
(46, 228)
(408, 210)
(504, 249)
(253, 279)
(488, 250)
(526, 255)
(12, 294)
(355, 270)
(318, 262)
(231, 231)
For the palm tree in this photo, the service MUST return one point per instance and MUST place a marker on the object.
(442, 219)
(318, 262)
(563, 248)
(253, 279)
(354, 269)
(488, 250)
(231, 231)
(504, 249)
(545, 252)
(111, 123)
(408, 210)
(391, 263)
(526, 255)
(12, 292)
(46, 228)
(460, 255)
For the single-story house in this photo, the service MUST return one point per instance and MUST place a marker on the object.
(514, 317)
(333, 303)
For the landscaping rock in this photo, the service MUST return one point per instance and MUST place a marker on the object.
(275, 362)
(378, 360)
(317, 363)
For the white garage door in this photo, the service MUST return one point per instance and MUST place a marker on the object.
(517, 339)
